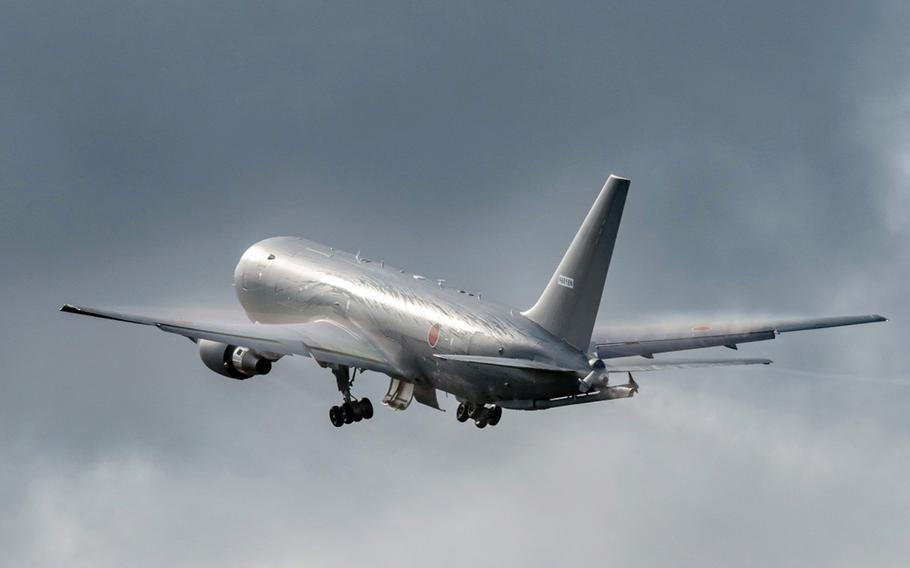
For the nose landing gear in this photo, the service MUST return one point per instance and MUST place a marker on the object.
(481, 414)
(351, 410)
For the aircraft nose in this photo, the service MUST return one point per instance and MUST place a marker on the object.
(249, 261)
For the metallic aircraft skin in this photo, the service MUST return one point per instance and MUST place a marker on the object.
(353, 314)
(288, 280)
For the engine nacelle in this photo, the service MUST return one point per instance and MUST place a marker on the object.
(233, 361)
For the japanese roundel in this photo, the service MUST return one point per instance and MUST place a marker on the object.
(433, 335)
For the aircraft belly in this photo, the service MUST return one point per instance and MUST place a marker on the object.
(482, 383)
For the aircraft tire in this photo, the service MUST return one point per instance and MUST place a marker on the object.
(495, 416)
(480, 423)
(347, 413)
(462, 413)
(335, 417)
(366, 408)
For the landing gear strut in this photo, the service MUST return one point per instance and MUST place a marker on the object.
(351, 410)
(481, 414)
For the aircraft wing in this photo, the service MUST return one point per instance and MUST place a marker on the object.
(324, 340)
(609, 342)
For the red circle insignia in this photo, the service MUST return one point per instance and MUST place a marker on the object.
(433, 335)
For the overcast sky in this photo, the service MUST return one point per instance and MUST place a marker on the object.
(145, 145)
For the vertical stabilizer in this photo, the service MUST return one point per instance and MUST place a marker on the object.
(568, 306)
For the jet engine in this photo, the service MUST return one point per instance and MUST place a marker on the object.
(233, 361)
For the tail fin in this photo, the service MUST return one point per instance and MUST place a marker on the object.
(568, 306)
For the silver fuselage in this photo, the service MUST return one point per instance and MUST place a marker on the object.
(287, 280)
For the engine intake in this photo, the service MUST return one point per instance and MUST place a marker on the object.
(232, 361)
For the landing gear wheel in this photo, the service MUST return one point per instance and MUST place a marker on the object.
(495, 415)
(335, 417)
(358, 411)
(366, 408)
(462, 413)
(347, 413)
(480, 422)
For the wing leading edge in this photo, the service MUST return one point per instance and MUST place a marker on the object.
(325, 341)
(610, 342)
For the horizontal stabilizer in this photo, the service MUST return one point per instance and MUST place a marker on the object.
(618, 366)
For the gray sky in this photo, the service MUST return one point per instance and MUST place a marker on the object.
(144, 146)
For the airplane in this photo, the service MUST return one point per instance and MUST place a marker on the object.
(351, 314)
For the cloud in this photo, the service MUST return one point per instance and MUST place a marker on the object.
(638, 484)
(144, 147)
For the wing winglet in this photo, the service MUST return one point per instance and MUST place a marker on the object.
(79, 310)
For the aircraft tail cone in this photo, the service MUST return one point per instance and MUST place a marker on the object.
(598, 377)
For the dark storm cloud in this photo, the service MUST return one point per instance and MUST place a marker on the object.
(143, 146)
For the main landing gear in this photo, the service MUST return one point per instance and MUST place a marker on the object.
(351, 410)
(480, 413)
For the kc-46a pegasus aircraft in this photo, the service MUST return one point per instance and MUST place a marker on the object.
(351, 314)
